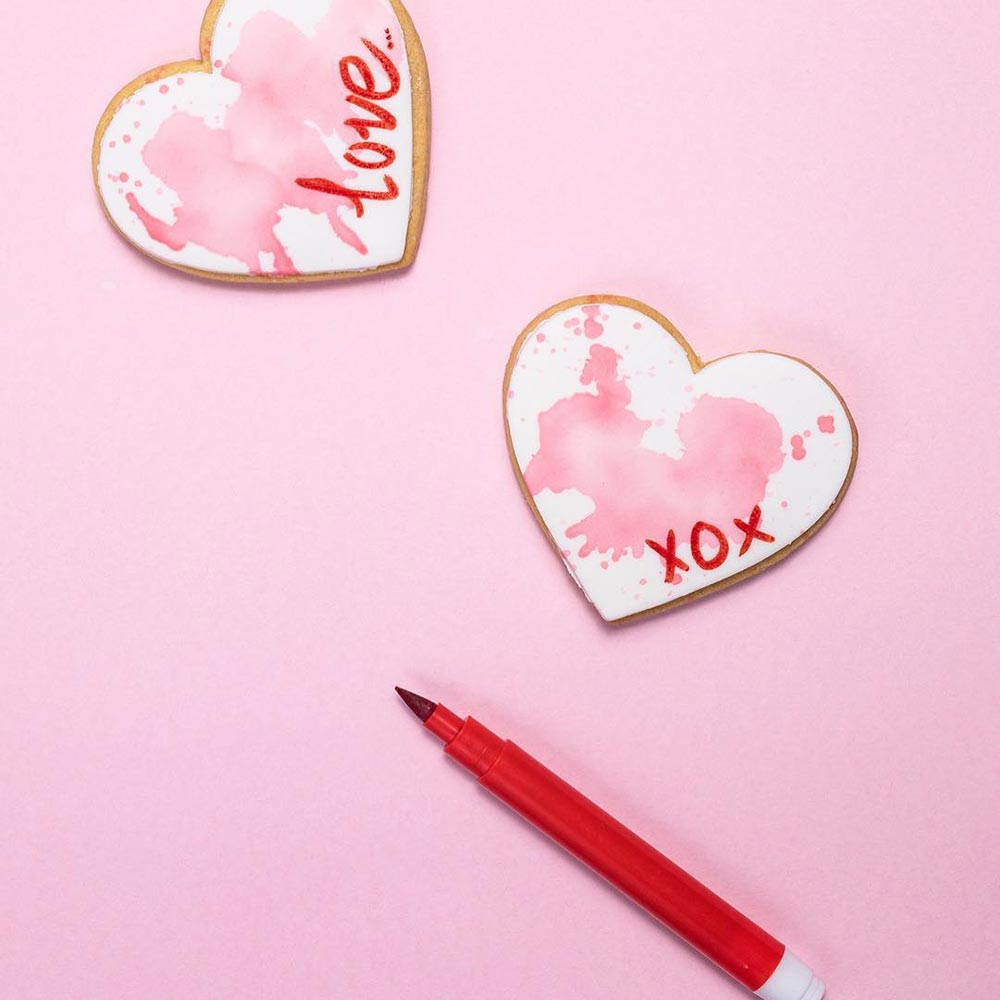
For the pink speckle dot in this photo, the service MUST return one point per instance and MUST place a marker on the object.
(642, 582)
(784, 505)
(123, 176)
(510, 393)
(112, 144)
(136, 124)
(604, 565)
(126, 138)
(541, 338)
(163, 88)
(636, 326)
(180, 81)
(138, 183)
(825, 424)
(807, 434)
(798, 448)
(217, 64)
(142, 104)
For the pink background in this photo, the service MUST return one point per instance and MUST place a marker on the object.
(233, 518)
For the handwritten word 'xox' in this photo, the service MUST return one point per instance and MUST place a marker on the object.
(751, 531)
(364, 93)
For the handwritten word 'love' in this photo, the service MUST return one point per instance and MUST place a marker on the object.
(750, 528)
(364, 92)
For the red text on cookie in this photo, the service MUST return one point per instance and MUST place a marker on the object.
(669, 553)
(364, 93)
(673, 563)
(751, 531)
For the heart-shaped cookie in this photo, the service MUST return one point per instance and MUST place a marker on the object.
(295, 149)
(660, 478)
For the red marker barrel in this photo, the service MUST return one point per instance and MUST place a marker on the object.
(719, 931)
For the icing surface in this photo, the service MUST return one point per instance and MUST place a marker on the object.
(292, 156)
(657, 480)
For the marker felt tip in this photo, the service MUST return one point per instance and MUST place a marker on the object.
(720, 932)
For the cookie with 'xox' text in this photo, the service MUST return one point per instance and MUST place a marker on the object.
(658, 477)
(296, 148)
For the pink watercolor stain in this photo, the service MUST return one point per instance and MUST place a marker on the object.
(592, 327)
(593, 443)
(798, 448)
(825, 424)
(234, 181)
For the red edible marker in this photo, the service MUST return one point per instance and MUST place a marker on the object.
(736, 944)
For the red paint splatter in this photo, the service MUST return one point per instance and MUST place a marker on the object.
(798, 448)
(825, 424)
(234, 181)
(593, 443)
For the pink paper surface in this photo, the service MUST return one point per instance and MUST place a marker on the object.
(232, 518)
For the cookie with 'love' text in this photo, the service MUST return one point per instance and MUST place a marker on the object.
(658, 477)
(296, 148)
